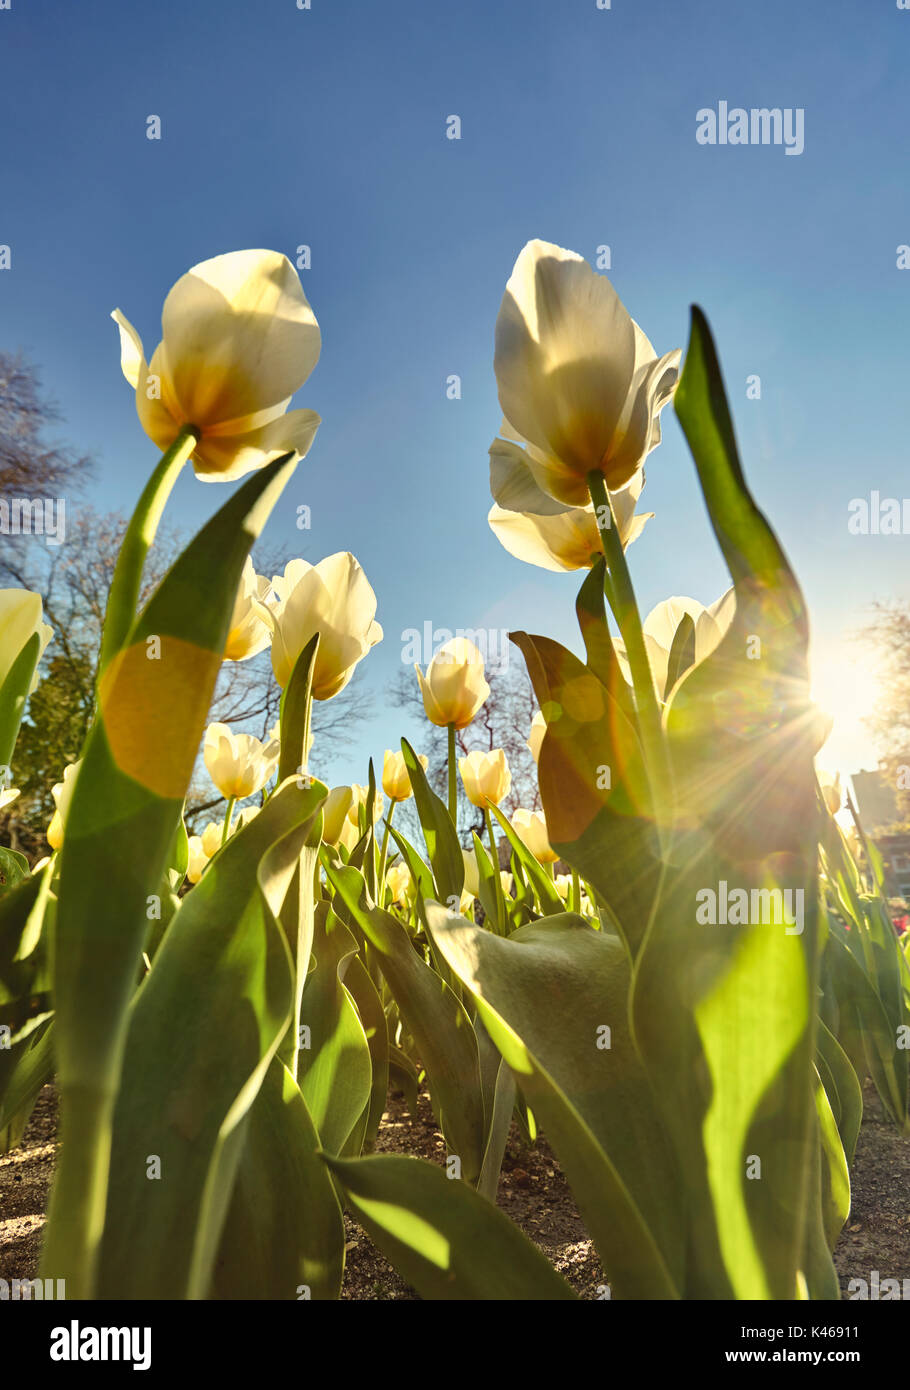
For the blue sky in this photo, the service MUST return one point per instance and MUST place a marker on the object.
(327, 127)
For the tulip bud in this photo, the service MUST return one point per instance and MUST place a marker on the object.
(471, 873)
(359, 798)
(531, 829)
(62, 793)
(486, 777)
(211, 839)
(238, 764)
(335, 813)
(197, 859)
(396, 781)
(536, 736)
(454, 688)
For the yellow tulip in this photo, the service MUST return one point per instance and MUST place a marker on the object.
(359, 798)
(506, 880)
(396, 781)
(486, 777)
(238, 764)
(248, 634)
(335, 813)
(546, 533)
(62, 793)
(531, 829)
(332, 598)
(454, 687)
(662, 623)
(401, 884)
(831, 789)
(197, 860)
(579, 383)
(471, 873)
(20, 619)
(211, 839)
(238, 339)
(536, 736)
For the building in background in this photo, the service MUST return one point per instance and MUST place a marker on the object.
(880, 818)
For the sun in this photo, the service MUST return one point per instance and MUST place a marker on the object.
(847, 687)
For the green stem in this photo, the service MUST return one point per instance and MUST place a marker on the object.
(453, 788)
(126, 584)
(621, 598)
(576, 892)
(385, 850)
(497, 881)
(226, 828)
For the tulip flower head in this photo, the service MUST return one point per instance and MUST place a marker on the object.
(531, 829)
(238, 339)
(359, 798)
(335, 813)
(197, 859)
(580, 385)
(486, 777)
(536, 736)
(248, 634)
(454, 687)
(238, 764)
(62, 793)
(332, 598)
(535, 528)
(830, 789)
(396, 781)
(210, 839)
(20, 619)
(401, 884)
(661, 625)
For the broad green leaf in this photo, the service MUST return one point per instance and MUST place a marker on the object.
(438, 830)
(333, 1064)
(13, 696)
(593, 785)
(372, 1016)
(283, 1237)
(546, 994)
(438, 1021)
(444, 1239)
(203, 1030)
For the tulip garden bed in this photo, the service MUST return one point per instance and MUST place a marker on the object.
(532, 1190)
(688, 1014)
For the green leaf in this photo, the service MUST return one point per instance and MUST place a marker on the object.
(545, 994)
(438, 830)
(154, 697)
(372, 1016)
(443, 1238)
(203, 1030)
(440, 1025)
(283, 1237)
(333, 1067)
(14, 695)
(547, 898)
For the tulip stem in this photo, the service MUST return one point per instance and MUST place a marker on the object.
(384, 851)
(226, 828)
(126, 584)
(497, 881)
(621, 598)
(453, 789)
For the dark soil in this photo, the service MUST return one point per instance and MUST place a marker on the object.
(532, 1191)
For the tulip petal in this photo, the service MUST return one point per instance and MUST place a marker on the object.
(565, 355)
(220, 458)
(240, 334)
